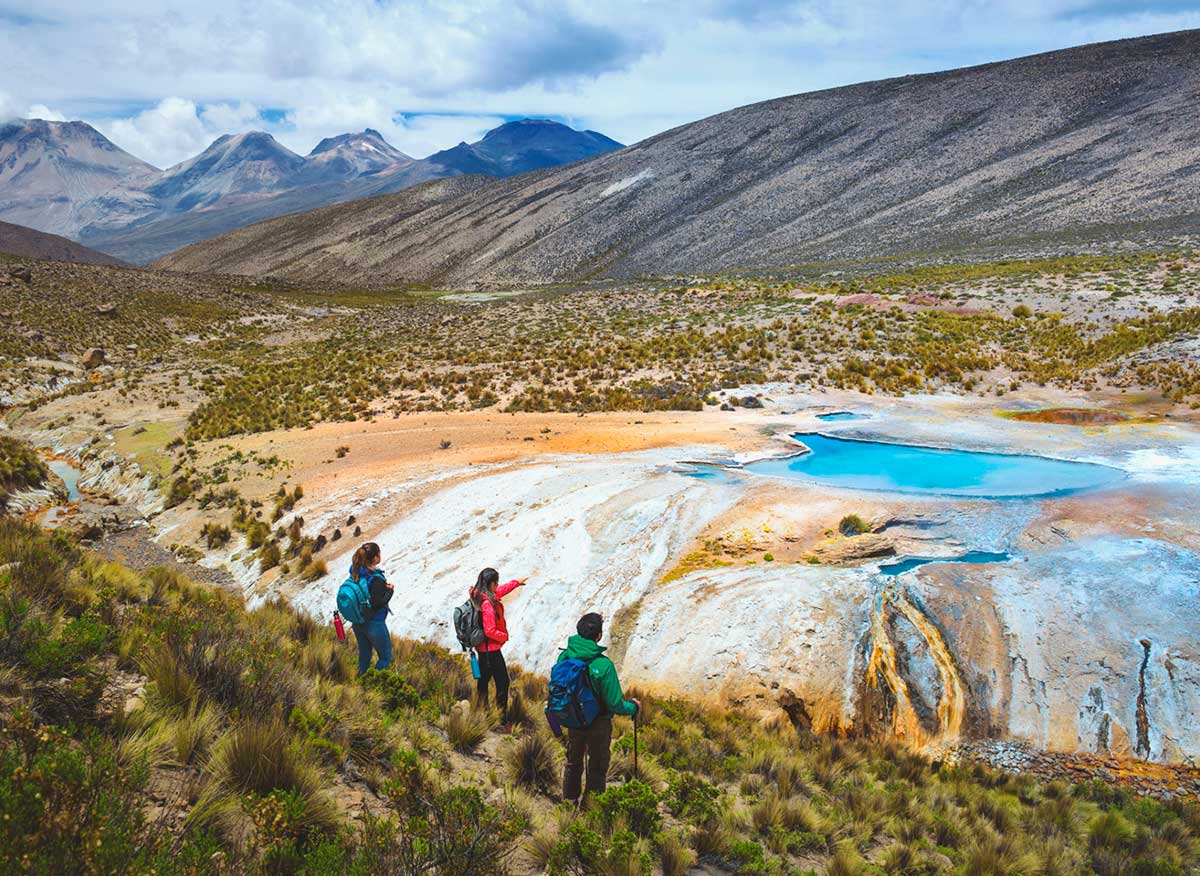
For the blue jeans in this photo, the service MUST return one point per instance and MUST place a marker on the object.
(373, 635)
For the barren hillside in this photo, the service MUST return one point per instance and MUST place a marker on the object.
(1095, 142)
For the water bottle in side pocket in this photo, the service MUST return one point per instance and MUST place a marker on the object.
(474, 666)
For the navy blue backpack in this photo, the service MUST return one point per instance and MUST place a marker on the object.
(572, 703)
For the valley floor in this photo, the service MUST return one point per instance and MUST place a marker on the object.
(248, 436)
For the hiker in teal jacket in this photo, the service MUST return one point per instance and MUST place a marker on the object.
(595, 740)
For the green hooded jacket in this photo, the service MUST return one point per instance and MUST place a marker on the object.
(602, 673)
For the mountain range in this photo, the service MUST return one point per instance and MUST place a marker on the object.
(1086, 144)
(66, 178)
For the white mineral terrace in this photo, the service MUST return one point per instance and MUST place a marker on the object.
(1095, 619)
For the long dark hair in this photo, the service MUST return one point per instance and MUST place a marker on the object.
(363, 557)
(485, 584)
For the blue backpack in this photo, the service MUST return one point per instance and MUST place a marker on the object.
(354, 600)
(572, 703)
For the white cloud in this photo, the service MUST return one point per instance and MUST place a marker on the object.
(420, 136)
(629, 68)
(12, 108)
(41, 111)
(164, 134)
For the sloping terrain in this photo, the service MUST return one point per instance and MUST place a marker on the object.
(1095, 142)
(300, 233)
(22, 241)
(149, 724)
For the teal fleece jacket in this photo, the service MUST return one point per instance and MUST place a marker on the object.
(602, 673)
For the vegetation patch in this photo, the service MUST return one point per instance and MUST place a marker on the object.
(252, 728)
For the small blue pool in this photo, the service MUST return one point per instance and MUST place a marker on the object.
(908, 468)
(837, 416)
(69, 474)
(899, 567)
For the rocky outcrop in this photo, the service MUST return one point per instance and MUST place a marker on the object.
(858, 549)
(90, 521)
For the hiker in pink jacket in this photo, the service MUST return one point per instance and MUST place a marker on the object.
(487, 595)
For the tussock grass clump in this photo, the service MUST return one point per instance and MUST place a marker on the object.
(468, 727)
(532, 761)
(187, 739)
(675, 857)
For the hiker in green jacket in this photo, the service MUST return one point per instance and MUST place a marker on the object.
(594, 740)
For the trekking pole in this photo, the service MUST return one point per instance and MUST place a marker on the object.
(635, 744)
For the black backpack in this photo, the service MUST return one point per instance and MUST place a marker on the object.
(468, 625)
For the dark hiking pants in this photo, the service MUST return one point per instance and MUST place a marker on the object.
(594, 743)
(492, 666)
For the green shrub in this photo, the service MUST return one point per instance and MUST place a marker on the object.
(397, 693)
(693, 799)
(634, 803)
(852, 524)
(215, 535)
(80, 639)
(68, 806)
(180, 491)
(269, 556)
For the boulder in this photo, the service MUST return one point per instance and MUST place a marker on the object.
(21, 273)
(107, 309)
(92, 521)
(751, 402)
(34, 335)
(855, 550)
(93, 358)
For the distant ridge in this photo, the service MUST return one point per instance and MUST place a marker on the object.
(21, 241)
(1094, 142)
(67, 178)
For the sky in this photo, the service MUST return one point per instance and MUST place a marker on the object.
(163, 78)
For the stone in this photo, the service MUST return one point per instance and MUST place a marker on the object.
(853, 550)
(21, 273)
(751, 402)
(93, 358)
(34, 335)
(107, 309)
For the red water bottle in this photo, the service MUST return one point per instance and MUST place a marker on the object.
(338, 627)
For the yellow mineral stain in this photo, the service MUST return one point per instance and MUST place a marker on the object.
(882, 665)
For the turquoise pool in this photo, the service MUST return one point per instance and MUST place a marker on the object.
(909, 468)
(69, 474)
(837, 416)
(899, 567)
